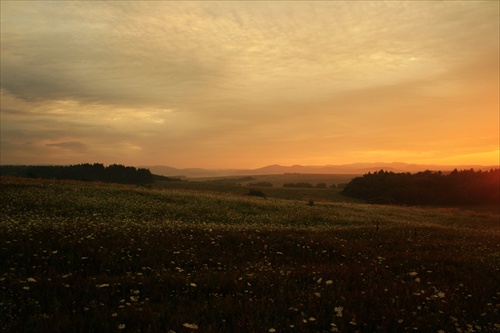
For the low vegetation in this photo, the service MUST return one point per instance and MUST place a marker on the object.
(93, 257)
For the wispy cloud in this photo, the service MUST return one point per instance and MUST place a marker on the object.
(204, 79)
(73, 146)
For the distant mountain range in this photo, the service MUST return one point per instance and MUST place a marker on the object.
(354, 169)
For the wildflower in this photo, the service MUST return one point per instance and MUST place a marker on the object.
(30, 279)
(317, 294)
(312, 319)
(104, 285)
(338, 310)
(328, 282)
(441, 294)
(190, 326)
(272, 330)
(413, 273)
(193, 285)
(121, 326)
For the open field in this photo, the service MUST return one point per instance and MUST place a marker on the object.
(279, 179)
(302, 194)
(89, 257)
(240, 185)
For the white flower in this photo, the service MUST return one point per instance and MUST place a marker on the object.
(121, 326)
(338, 310)
(272, 330)
(190, 326)
(329, 282)
(30, 279)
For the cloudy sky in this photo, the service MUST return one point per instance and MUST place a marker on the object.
(247, 84)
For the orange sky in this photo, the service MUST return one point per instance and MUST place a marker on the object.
(248, 84)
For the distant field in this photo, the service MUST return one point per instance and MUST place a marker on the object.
(279, 180)
(237, 185)
(90, 257)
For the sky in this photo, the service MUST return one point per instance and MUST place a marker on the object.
(246, 84)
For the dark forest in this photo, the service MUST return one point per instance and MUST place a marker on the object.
(466, 187)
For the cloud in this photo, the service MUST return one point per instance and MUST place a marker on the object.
(205, 78)
(73, 146)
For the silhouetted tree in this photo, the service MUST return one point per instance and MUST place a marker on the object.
(84, 172)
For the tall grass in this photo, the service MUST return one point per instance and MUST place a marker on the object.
(89, 257)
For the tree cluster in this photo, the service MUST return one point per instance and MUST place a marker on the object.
(307, 185)
(298, 185)
(265, 184)
(231, 181)
(467, 187)
(86, 172)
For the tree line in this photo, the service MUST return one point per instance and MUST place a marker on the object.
(115, 173)
(466, 187)
(308, 185)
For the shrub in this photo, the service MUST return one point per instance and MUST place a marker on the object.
(256, 193)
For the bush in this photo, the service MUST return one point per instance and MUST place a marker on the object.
(256, 193)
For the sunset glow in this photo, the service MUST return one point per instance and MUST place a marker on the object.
(248, 84)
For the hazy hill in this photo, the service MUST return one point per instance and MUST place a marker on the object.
(354, 168)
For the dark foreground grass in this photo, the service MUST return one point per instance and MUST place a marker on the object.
(99, 258)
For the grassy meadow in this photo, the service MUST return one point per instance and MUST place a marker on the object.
(92, 257)
(240, 185)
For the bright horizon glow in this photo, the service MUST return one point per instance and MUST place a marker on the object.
(250, 84)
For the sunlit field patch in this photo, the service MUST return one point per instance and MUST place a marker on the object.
(88, 257)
